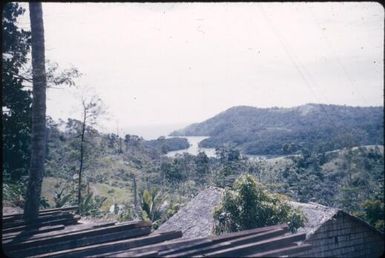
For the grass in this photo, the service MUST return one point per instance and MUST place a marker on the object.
(114, 194)
(48, 188)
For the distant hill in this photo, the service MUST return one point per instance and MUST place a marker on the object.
(277, 131)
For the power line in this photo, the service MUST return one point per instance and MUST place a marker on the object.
(297, 66)
(330, 45)
(283, 44)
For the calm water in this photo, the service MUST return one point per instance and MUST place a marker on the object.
(149, 132)
(193, 149)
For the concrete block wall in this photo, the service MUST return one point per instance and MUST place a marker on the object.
(344, 236)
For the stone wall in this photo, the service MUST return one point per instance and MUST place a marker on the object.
(345, 236)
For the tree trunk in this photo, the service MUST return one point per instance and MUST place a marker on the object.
(81, 160)
(135, 193)
(120, 145)
(38, 136)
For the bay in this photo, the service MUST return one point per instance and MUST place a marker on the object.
(194, 149)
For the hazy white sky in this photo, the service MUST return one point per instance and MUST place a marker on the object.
(178, 63)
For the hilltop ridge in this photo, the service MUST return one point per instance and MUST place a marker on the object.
(263, 131)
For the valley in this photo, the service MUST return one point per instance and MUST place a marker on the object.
(119, 170)
(238, 131)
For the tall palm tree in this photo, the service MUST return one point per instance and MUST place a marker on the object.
(38, 137)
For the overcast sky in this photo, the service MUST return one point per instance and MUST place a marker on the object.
(179, 63)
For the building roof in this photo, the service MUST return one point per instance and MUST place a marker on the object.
(316, 215)
(58, 234)
(201, 208)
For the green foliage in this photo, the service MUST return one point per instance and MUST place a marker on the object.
(63, 195)
(127, 215)
(103, 163)
(14, 193)
(202, 164)
(64, 148)
(16, 100)
(345, 179)
(271, 131)
(17, 96)
(151, 204)
(228, 166)
(172, 209)
(374, 213)
(157, 206)
(44, 203)
(228, 155)
(188, 188)
(249, 205)
(174, 171)
(305, 180)
(163, 145)
(90, 205)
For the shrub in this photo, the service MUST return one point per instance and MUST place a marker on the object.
(90, 205)
(14, 193)
(127, 214)
(249, 205)
(151, 202)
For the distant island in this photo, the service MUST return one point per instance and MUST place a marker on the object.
(280, 131)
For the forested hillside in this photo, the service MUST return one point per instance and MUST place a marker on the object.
(120, 170)
(351, 179)
(280, 131)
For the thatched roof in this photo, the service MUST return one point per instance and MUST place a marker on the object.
(196, 218)
(316, 215)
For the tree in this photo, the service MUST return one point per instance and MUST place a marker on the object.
(249, 205)
(61, 154)
(92, 108)
(170, 172)
(202, 164)
(38, 136)
(17, 94)
(16, 100)
(374, 213)
(134, 188)
(120, 150)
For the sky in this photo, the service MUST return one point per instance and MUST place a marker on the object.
(173, 64)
